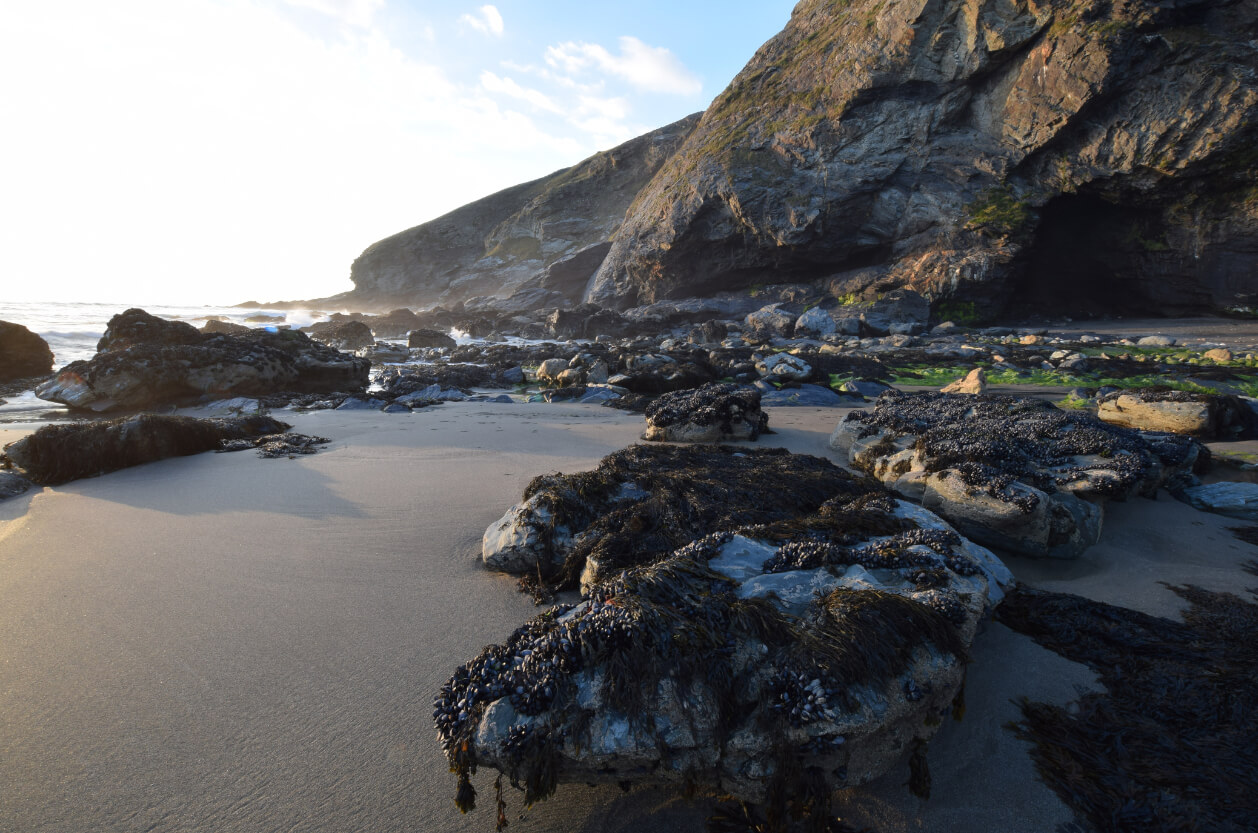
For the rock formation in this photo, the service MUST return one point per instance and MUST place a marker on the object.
(1010, 472)
(146, 361)
(795, 648)
(1068, 152)
(23, 354)
(1016, 155)
(60, 453)
(545, 237)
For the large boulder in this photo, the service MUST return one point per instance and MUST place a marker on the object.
(343, 335)
(775, 661)
(23, 354)
(1207, 416)
(1009, 472)
(178, 368)
(716, 412)
(430, 338)
(60, 453)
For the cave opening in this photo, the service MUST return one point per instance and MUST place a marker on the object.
(1087, 259)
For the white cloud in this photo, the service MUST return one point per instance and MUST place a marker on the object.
(352, 12)
(506, 86)
(488, 20)
(651, 68)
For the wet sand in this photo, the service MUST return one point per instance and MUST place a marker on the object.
(224, 643)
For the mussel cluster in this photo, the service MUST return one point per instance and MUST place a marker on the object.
(890, 553)
(532, 666)
(802, 699)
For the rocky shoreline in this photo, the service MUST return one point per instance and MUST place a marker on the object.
(789, 558)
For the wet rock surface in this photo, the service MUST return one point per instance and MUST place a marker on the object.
(713, 413)
(60, 453)
(792, 645)
(1010, 472)
(148, 362)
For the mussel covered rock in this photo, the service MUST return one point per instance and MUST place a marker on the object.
(713, 413)
(772, 661)
(645, 501)
(1010, 472)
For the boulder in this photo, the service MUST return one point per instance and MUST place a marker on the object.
(343, 335)
(974, 382)
(784, 367)
(23, 354)
(1218, 354)
(1207, 416)
(60, 453)
(549, 370)
(716, 412)
(653, 373)
(794, 647)
(768, 323)
(815, 322)
(430, 338)
(177, 368)
(899, 312)
(1009, 472)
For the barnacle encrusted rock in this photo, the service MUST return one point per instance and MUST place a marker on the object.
(645, 501)
(713, 413)
(1010, 472)
(1204, 415)
(768, 661)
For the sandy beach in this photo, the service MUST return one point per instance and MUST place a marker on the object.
(226, 643)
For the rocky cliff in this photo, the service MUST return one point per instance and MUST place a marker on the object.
(543, 239)
(997, 153)
(998, 156)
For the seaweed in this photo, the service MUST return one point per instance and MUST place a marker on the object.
(1168, 745)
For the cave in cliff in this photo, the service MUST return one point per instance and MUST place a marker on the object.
(1093, 257)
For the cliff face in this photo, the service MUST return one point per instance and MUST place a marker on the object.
(1000, 153)
(549, 235)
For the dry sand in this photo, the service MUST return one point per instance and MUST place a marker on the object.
(223, 643)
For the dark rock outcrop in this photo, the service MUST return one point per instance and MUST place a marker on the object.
(60, 453)
(548, 235)
(23, 354)
(181, 365)
(1077, 152)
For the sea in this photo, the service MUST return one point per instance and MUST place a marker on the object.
(72, 330)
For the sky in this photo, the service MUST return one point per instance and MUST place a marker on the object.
(219, 151)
